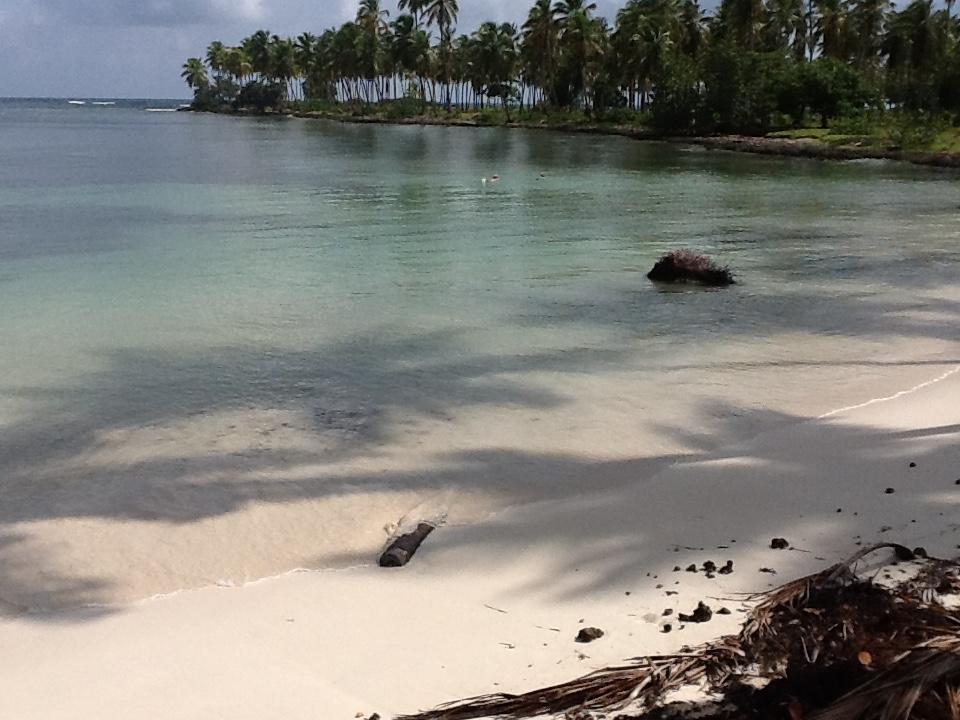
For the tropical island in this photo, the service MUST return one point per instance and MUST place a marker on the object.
(824, 77)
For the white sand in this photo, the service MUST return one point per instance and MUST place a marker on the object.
(495, 606)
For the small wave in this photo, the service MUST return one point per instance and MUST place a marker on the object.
(103, 102)
(161, 109)
(77, 102)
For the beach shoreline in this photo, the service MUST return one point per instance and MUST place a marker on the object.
(495, 606)
(807, 148)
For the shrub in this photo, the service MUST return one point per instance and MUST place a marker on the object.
(677, 97)
(261, 97)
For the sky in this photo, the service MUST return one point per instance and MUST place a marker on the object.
(135, 48)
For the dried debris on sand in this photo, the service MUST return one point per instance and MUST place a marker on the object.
(835, 645)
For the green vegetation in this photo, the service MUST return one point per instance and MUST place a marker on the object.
(858, 71)
(911, 132)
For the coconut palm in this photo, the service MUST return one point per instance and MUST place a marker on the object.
(833, 28)
(258, 52)
(541, 44)
(195, 73)
(414, 7)
(581, 44)
(743, 21)
(216, 58)
(443, 14)
(867, 20)
(283, 62)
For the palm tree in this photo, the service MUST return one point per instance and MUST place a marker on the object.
(216, 58)
(867, 20)
(833, 28)
(283, 62)
(195, 73)
(372, 22)
(580, 44)
(693, 24)
(443, 14)
(304, 50)
(346, 59)
(785, 27)
(744, 20)
(258, 52)
(414, 7)
(541, 43)
(494, 58)
(238, 64)
(410, 48)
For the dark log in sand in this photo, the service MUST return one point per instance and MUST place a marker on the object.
(690, 266)
(403, 548)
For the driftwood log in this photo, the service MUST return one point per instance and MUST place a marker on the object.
(402, 549)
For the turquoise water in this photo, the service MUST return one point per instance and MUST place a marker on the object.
(160, 267)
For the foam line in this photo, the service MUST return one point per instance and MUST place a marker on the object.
(900, 394)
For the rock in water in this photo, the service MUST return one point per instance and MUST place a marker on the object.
(689, 266)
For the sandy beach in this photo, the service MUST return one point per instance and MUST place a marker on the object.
(495, 606)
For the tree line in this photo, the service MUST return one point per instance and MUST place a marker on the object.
(748, 66)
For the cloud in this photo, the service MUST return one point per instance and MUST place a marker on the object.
(135, 48)
(154, 13)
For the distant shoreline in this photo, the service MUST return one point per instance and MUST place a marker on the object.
(757, 145)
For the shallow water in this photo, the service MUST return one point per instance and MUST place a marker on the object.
(236, 346)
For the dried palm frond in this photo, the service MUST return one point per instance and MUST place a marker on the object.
(796, 593)
(895, 693)
(912, 646)
(644, 681)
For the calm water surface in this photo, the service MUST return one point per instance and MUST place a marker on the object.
(359, 285)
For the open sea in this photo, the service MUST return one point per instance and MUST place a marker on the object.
(231, 347)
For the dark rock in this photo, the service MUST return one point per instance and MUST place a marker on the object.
(889, 491)
(702, 614)
(726, 569)
(709, 566)
(688, 266)
(668, 612)
(691, 568)
(779, 544)
(676, 568)
(667, 628)
(589, 634)
(723, 611)
(769, 571)
(913, 465)
(920, 552)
